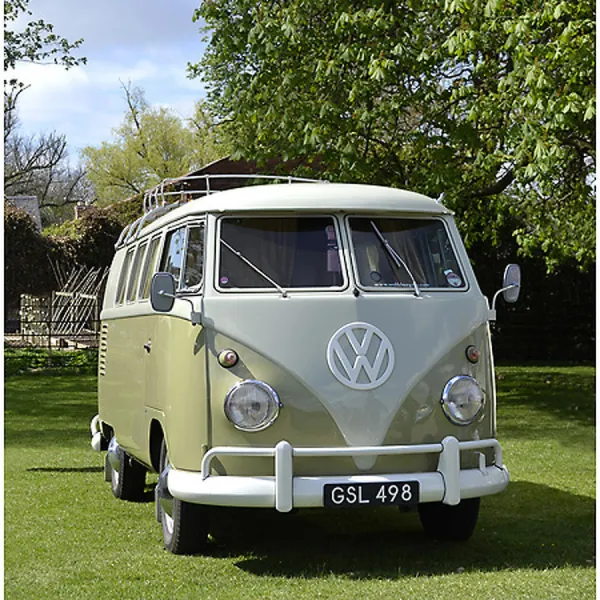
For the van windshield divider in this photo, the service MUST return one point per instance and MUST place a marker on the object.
(396, 257)
(283, 292)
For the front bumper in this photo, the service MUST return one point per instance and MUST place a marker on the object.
(448, 484)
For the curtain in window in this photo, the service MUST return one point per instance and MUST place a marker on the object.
(404, 244)
(269, 243)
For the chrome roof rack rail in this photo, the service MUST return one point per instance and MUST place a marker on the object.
(158, 200)
(158, 196)
(132, 231)
(122, 236)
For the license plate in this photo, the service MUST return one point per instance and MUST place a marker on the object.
(389, 493)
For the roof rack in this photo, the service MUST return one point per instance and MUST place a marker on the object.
(163, 197)
(160, 195)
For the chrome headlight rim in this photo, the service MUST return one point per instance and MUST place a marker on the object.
(446, 401)
(273, 398)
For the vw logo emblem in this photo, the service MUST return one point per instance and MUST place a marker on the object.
(360, 356)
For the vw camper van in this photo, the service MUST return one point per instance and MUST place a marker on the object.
(297, 344)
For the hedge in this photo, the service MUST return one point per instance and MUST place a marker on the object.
(19, 361)
(29, 254)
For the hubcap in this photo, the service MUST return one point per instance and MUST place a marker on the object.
(114, 475)
(167, 522)
(164, 498)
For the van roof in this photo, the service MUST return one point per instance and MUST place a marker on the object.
(304, 197)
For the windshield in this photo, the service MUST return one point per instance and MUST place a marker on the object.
(422, 244)
(293, 252)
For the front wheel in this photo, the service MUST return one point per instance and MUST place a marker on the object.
(185, 531)
(454, 523)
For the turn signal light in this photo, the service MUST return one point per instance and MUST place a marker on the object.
(473, 354)
(228, 358)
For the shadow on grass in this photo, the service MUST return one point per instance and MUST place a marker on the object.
(536, 526)
(67, 436)
(42, 410)
(65, 470)
(33, 395)
(560, 392)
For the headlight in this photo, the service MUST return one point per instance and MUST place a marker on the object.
(252, 405)
(462, 400)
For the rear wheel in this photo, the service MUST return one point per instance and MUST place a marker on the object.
(454, 523)
(185, 531)
(129, 482)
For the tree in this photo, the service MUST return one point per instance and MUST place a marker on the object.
(39, 166)
(488, 101)
(151, 144)
(532, 96)
(36, 42)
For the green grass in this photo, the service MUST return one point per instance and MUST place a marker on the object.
(66, 536)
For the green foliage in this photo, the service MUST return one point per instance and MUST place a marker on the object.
(18, 361)
(90, 240)
(532, 82)
(28, 254)
(151, 144)
(535, 540)
(490, 102)
(36, 42)
(120, 214)
(126, 211)
(62, 230)
(26, 257)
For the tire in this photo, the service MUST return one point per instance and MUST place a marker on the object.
(453, 523)
(130, 481)
(186, 530)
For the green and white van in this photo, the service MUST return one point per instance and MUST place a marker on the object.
(298, 345)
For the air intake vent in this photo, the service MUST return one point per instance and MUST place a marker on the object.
(102, 350)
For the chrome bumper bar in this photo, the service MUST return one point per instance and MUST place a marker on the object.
(448, 484)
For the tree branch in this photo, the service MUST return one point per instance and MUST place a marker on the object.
(498, 187)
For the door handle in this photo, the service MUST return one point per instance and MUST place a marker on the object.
(148, 346)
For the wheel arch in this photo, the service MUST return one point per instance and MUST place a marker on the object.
(156, 438)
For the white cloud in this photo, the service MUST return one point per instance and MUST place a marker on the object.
(147, 43)
(113, 24)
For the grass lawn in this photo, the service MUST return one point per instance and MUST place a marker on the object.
(66, 536)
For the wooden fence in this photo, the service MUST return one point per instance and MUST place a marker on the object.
(62, 320)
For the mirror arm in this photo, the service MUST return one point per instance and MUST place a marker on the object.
(195, 317)
(492, 316)
(504, 289)
(163, 293)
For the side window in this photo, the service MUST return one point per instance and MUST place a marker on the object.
(148, 270)
(194, 255)
(172, 259)
(134, 278)
(123, 276)
(183, 255)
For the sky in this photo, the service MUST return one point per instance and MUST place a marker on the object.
(145, 42)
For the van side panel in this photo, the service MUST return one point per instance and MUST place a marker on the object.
(177, 388)
(122, 387)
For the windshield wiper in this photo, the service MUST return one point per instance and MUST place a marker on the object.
(283, 293)
(396, 258)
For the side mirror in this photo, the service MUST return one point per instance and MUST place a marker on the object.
(511, 284)
(162, 292)
(511, 287)
(162, 296)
